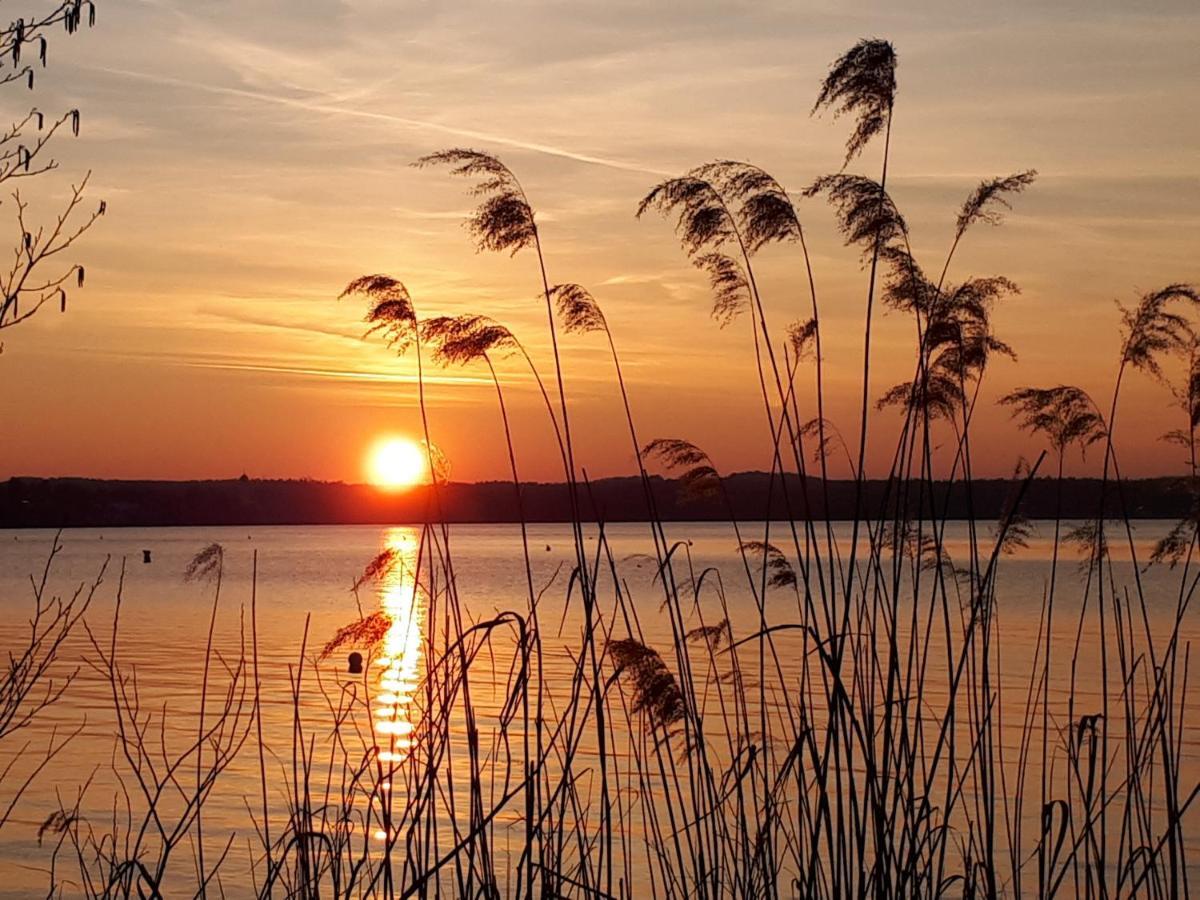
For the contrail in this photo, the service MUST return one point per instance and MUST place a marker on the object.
(392, 119)
(340, 374)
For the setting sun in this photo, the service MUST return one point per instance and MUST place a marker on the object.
(396, 462)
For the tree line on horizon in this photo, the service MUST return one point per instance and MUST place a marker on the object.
(90, 503)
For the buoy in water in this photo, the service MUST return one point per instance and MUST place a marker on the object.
(145, 556)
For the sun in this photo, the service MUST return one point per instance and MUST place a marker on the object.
(396, 462)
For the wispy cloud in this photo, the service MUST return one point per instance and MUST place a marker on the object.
(337, 374)
(330, 108)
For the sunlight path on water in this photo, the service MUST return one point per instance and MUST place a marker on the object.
(398, 662)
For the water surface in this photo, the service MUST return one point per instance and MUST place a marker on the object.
(301, 592)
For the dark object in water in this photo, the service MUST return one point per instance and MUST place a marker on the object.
(356, 663)
(145, 556)
(547, 548)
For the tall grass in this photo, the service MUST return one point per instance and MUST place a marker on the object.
(854, 738)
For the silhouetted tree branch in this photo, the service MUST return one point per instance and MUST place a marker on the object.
(33, 278)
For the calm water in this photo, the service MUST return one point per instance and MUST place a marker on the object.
(304, 576)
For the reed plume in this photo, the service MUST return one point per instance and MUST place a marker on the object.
(712, 635)
(1014, 528)
(206, 564)
(705, 227)
(957, 343)
(781, 572)
(764, 210)
(440, 465)
(906, 287)
(1173, 547)
(458, 340)
(57, 823)
(504, 219)
(1064, 413)
(802, 338)
(1152, 328)
(729, 283)
(655, 690)
(1091, 543)
(390, 312)
(861, 82)
(692, 467)
(866, 214)
(921, 547)
(986, 204)
(702, 220)
(368, 632)
(827, 435)
(981, 205)
(380, 566)
(577, 309)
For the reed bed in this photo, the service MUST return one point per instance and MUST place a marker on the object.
(860, 735)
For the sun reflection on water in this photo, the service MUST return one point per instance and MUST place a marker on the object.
(399, 656)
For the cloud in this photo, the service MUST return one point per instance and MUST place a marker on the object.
(335, 374)
(333, 108)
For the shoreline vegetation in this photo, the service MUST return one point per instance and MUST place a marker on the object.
(852, 719)
(102, 503)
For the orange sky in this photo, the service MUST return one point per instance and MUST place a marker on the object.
(254, 162)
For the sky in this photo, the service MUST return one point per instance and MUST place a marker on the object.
(254, 158)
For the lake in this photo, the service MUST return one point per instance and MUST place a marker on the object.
(302, 594)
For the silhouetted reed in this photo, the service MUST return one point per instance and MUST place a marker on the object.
(656, 692)
(367, 632)
(862, 83)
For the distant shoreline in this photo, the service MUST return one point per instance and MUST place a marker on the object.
(83, 502)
